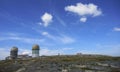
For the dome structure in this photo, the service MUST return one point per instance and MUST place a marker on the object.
(14, 49)
(35, 47)
(35, 50)
(14, 52)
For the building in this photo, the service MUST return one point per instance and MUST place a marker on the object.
(14, 53)
(35, 50)
(24, 57)
(21, 57)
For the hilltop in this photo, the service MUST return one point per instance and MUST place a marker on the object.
(63, 63)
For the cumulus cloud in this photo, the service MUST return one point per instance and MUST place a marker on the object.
(116, 29)
(84, 10)
(46, 18)
(83, 19)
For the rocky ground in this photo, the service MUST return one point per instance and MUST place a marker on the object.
(63, 64)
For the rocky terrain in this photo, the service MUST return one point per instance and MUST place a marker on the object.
(65, 63)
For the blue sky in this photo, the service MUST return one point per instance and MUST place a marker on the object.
(60, 26)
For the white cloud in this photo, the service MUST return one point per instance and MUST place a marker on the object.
(67, 48)
(66, 39)
(61, 38)
(4, 52)
(46, 18)
(22, 39)
(44, 33)
(116, 29)
(11, 34)
(83, 19)
(24, 51)
(61, 21)
(49, 35)
(49, 52)
(39, 23)
(46, 51)
(84, 10)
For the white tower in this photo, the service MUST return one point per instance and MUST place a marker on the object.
(35, 50)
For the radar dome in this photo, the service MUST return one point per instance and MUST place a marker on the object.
(35, 47)
(14, 49)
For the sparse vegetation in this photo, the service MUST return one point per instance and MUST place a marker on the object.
(72, 63)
